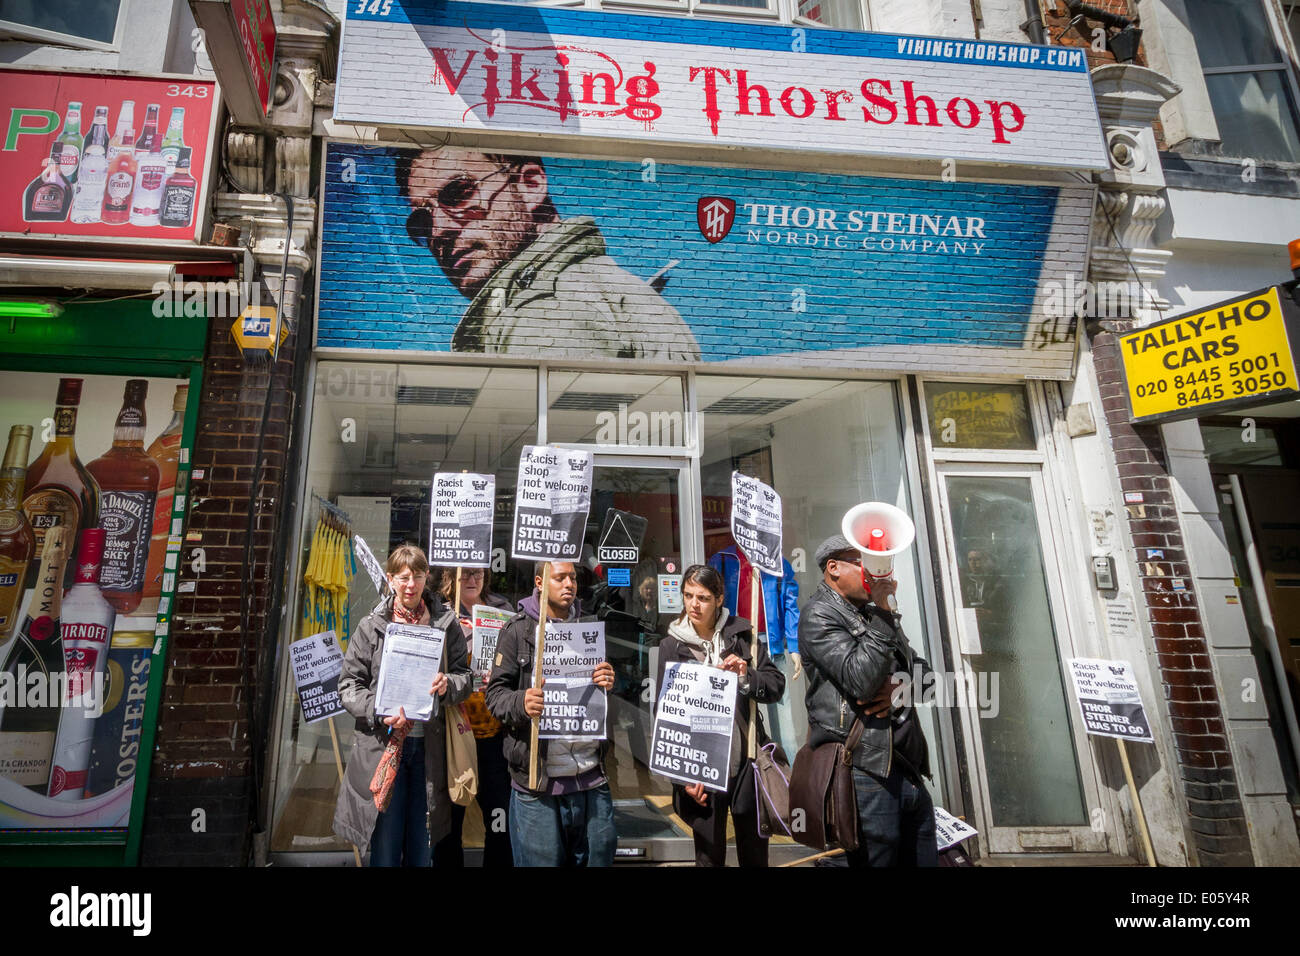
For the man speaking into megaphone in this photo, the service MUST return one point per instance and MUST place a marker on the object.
(853, 645)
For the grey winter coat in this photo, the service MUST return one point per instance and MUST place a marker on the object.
(355, 813)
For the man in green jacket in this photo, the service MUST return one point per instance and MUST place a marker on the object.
(535, 281)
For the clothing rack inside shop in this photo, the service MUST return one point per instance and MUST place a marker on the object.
(333, 516)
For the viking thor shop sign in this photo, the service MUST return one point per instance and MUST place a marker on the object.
(497, 68)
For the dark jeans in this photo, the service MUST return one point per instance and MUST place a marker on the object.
(401, 835)
(573, 830)
(895, 822)
(494, 800)
(709, 828)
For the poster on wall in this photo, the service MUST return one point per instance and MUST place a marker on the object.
(105, 157)
(694, 717)
(564, 257)
(86, 548)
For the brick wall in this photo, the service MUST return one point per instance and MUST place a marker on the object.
(1205, 767)
(204, 757)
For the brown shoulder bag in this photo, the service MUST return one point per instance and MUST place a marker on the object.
(821, 785)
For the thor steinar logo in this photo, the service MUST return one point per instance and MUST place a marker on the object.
(565, 80)
(77, 909)
(714, 215)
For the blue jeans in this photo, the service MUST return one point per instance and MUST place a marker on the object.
(573, 830)
(401, 836)
(895, 822)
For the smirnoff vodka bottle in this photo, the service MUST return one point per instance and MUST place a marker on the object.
(87, 626)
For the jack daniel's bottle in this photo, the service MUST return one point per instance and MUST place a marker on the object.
(128, 487)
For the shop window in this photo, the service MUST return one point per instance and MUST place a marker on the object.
(85, 19)
(972, 415)
(825, 446)
(837, 14)
(1239, 444)
(1252, 92)
(604, 408)
(379, 433)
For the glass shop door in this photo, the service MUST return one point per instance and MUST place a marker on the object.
(637, 597)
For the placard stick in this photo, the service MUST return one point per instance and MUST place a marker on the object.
(1137, 804)
(809, 859)
(338, 763)
(540, 644)
(754, 587)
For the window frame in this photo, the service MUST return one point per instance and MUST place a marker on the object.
(21, 31)
(1283, 65)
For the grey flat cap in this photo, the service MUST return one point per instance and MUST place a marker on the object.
(832, 546)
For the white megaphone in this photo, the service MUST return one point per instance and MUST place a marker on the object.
(879, 531)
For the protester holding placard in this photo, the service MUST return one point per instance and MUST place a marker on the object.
(418, 804)
(707, 633)
(568, 820)
(493, 774)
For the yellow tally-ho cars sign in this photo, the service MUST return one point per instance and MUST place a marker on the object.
(1232, 355)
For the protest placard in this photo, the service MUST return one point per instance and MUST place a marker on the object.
(1109, 699)
(756, 522)
(412, 656)
(370, 563)
(575, 707)
(487, 624)
(461, 507)
(948, 830)
(552, 498)
(691, 740)
(317, 663)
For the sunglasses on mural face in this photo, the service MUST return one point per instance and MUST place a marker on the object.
(458, 199)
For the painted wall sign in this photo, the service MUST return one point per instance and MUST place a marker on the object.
(105, 157)
(516, 69)
(456, 250)
(1235, 354)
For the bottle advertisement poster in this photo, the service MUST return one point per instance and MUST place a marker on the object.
(105, 156)
(87, 489)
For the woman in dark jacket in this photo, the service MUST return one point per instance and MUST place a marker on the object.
(493, 772)
(419, 811)
(706, 634)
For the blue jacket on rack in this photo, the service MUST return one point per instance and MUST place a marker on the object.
(780, 600)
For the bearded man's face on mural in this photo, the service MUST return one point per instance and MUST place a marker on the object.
(475, 211)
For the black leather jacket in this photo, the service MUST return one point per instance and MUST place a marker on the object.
(849, 654)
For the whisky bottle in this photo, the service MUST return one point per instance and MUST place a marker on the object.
(30, 717)
(166, 451)
(59, 488)
(178, 195)
(86, 627)
(128, 486)
(122, 169)
(17, 541)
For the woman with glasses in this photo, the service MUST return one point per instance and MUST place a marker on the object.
(706, 633)
(418, 805)
(493, 772)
